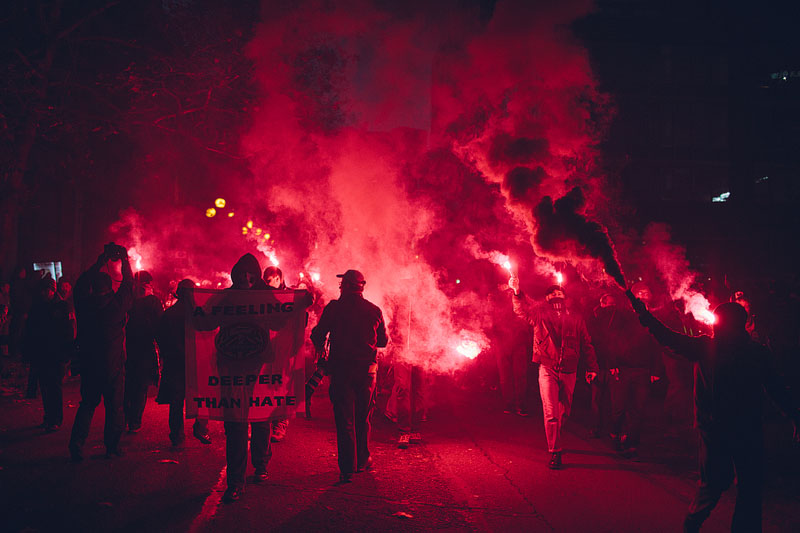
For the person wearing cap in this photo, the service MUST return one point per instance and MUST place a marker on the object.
(46, 344)
(170, 335)
(560, 339)
(731, 372)
(101, 315)
(141, 365)
(356, 330)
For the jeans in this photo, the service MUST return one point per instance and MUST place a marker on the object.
(556, 389)
(409, 388)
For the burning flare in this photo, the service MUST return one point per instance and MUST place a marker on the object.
(469, 349)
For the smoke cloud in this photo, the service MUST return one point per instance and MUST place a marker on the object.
(417, 143)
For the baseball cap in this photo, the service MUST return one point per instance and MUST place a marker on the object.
(353, 276)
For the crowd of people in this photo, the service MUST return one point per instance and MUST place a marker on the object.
(122, 341)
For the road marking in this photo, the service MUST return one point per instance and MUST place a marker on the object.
(211, 504)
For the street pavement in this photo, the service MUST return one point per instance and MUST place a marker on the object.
(476, 470)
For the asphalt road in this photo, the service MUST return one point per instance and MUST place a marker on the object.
(476, 470)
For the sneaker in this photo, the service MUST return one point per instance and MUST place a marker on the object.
(507, 410)
(205, 438)
(403, 441)
(232, 494)
(134, 428)
(366, 466)
(415, 438)
(279, 430)
(555, 461)
(345, 477)
(523, 412)
(260, 475)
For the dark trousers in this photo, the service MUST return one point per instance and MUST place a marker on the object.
(176, 433)
(236, 449)
(51, 379)
(135, 398)
(512, 367)
(93, 389)
(600, 400)
(723, 455)
(628, 398)
(409, 383)
(32, 388)
(353, 397)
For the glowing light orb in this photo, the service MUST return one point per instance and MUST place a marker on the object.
(258, 231)
(273, 259)
(249, 224)
(197, 284)
(559, 278)
(230, 214)
(302, 275)
(458, 281)
(219, 202)
(507, 265)
(468, 349)
(267, 236)
(315, 276)
(139, 264)
(211, 212)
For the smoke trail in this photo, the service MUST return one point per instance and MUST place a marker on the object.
(671, 264)
(562, 231)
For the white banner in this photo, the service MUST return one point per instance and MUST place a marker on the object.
(242, 348)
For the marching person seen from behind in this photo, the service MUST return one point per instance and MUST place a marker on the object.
(47, 344)
(560, 339)
(731, 372)
(141, 365)
(356, 329)
(171, 337)
(101, 315)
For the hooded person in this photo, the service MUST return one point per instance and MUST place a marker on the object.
(141, 365)
(560, 340)
(170, 335)
(246, 275)
(356, 330)
(731, 372)
(101, 314)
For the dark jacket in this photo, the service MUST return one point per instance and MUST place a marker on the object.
(729, 378)
(171, 337)
(140, 332)
(101, 324)
(48, 332)
(559, 339)
(356, 331)
(636, 348)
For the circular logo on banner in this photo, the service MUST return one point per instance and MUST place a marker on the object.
(240, 342)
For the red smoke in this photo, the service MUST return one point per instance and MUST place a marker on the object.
(410, 141)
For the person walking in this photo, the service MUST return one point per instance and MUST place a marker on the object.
(356, 329)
